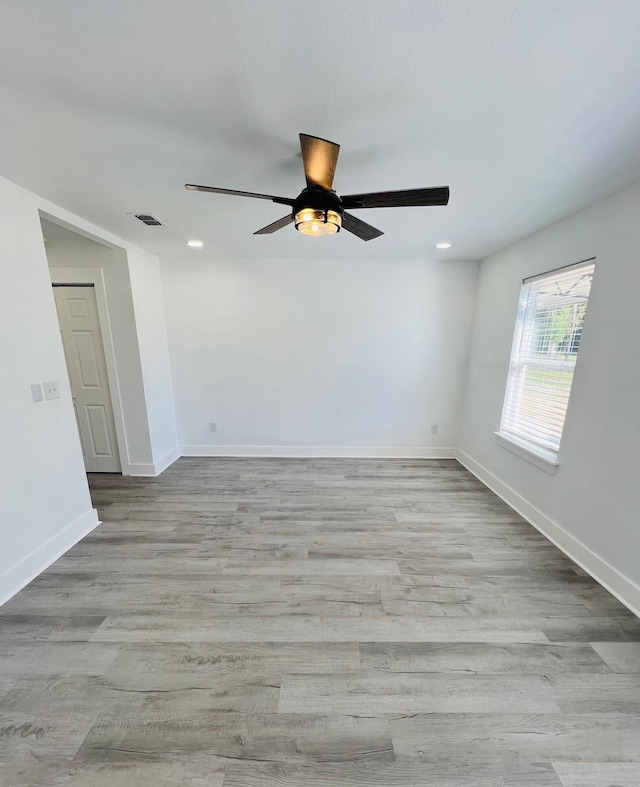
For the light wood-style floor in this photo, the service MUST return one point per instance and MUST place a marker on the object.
(306, 623)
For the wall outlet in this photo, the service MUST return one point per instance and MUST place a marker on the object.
(51, 390)
(213, 427)
(434, 428)
(36, 392)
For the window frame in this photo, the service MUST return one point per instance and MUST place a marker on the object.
(542, 456)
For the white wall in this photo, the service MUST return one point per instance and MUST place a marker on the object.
(591, 506)
(45, 507)
(333, 357)
(148, 304)
(44, 500)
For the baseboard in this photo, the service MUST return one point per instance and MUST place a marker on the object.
(153, 469)
(623, 588)
(321, 451)
(143, 469)
(160, 465)
(19, 575)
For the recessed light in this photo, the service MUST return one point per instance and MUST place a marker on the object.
(195, 244)
(443, 245)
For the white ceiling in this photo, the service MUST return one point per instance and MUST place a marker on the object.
(528, 109)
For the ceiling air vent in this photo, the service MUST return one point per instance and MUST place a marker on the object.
(147, 218)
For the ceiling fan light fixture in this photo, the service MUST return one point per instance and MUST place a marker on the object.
(313, 221)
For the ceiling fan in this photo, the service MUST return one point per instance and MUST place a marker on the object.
(318, 210)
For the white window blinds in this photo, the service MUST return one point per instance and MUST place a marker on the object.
(551, 314)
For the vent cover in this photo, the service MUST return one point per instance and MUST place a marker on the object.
(147, 218)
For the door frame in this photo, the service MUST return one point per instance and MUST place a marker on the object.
(94, 277)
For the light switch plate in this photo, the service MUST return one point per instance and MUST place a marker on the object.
(36, 392)
(51, 390)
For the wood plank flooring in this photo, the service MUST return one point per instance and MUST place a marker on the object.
(307, 623)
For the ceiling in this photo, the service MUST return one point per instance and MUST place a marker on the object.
(529, 110)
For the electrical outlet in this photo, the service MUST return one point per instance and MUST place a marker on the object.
(213, 427)
(51, 390)
(36, 392)
(434, 428)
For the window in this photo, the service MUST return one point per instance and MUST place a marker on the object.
(551, 314)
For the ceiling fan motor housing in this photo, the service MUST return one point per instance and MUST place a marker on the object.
(317, 205)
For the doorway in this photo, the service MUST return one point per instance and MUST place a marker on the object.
(87, 369)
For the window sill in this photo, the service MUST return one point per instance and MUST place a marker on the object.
(545, 460)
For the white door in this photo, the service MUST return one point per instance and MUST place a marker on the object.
(84, 352)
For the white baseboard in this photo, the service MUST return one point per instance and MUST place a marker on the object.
(20, 574)
(623, 588)
(153, 469)
(321, 451)
(160, 465)
(144, 469)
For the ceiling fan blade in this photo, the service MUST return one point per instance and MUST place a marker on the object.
(319, 157)
(360, 228)
(277, 225)
(398, 199)
(252, 194)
